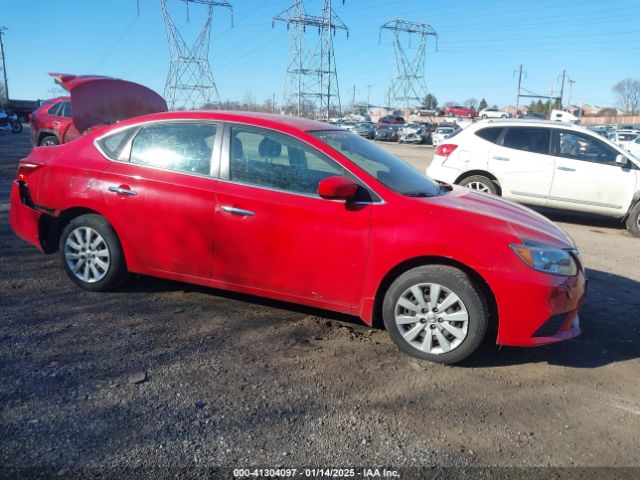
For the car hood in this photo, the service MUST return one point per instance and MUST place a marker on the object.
(521, 221)
(103, 100)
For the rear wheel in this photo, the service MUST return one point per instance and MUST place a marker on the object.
(484, 116)
(469, 115)
(633, 220)
(436, 313)
(480, 183)
(49, 141)
(16, 126)
(91, 254)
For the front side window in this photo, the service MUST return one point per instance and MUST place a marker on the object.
(579, 146)
(261, 158)
(392, 172)
(528, 139)
(182, 147)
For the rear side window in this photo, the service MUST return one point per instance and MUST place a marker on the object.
(490, 134)
(66, 110)
(182, 147)
(55, 109)
(534, 140)
(112, 145)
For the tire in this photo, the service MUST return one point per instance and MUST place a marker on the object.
(49, 141)
(449, 114)
(16, 126)
(633, 220)
(480, 183)
(73, 252)
(469, 115)
(503, 116)
(431, 337)
(484, 117)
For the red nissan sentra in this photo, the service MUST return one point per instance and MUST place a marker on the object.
(304, 212)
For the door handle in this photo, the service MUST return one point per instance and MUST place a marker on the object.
(123, 191)
(56, 123)
(567, 169)
(502, 159)
(237, 211)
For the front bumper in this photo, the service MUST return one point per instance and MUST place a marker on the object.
(539, 309)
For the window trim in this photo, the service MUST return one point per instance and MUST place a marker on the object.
(125, 152)
(225, 156)
(57, 107)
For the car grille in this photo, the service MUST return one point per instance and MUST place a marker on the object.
(551, 326)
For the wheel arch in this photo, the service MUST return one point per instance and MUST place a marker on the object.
(484, 173)
(408, 264)
(46, 133)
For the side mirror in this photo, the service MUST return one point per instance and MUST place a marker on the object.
(337, 188)
(622, 160)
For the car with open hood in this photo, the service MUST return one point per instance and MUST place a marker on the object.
(92, 101)
(304, 212)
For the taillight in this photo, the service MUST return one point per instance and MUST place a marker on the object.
(445, 149)
(26, 169)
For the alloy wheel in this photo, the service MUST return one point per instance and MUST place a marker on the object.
(432, 318)
(87, 254)
(479, 186)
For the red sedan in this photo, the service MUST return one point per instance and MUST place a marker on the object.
(460, 111)
(304, 212)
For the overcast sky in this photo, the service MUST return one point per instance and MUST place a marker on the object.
(480, 45)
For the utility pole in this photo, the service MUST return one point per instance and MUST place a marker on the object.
(3, 101)
(369, 97)
(518, 93)
(571, 82)
(564, 74)
(353, 100)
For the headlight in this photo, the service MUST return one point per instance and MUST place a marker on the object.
(546, 258)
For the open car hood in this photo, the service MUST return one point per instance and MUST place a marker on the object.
(102, 100)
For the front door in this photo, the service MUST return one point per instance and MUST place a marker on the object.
(587, 177)
(522, 163)
(275, 234)
(162, 198)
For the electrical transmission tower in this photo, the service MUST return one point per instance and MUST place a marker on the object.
(4, 88)
(190, 82)
(408, 87)
(311, 81)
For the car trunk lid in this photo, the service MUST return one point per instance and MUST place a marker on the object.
(102, 100)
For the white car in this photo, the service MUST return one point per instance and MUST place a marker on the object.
(440, 134)
(493, 112)
(546, 164)
(634, 147)
(623, 138)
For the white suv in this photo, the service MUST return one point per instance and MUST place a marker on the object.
(493, 112)
(543, 163)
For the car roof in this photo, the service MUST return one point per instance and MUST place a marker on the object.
(255, 118)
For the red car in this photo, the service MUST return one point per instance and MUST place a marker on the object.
(303, 212)
(107, 98)
(460, 111)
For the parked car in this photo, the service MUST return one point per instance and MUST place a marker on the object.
(440, 134)
(493, 112)
(386, 133)
(599, 129)
(562, 116)
(365, 129)
(429, 112)
(244, 198)
(634, 147)
(102, 100)
(414, 132)
(460, 111)
(545, 164)
(623, 138)
(531, 116)
(391, 120)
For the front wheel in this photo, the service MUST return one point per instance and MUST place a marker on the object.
(480, 183)
(49, 141)
(91, 254)
(633, 220)
(16, 126)
(436, 313)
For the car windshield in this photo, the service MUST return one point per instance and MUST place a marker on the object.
(392, 172)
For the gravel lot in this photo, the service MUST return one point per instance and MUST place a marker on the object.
(232, 380)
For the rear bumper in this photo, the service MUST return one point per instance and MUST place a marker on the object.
(439, 172)
(24, 219)
(539, 310)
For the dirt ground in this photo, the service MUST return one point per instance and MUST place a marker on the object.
(237, 381)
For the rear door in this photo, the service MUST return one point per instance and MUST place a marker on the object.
(161, 197)
(587, 177)
(522, 163)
